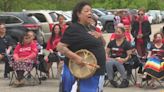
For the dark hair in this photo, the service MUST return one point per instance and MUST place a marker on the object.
(122, 29)
(53, 33)
(25, 34)
(141, 9)
(77, 9)
(60, 16)
(2, 23)
(21, 38)
(155, 35)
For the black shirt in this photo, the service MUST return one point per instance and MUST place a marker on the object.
(118, 51)
(5, 42)
(77, 37)
(157, 51)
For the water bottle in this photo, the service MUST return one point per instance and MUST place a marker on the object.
(133, 44)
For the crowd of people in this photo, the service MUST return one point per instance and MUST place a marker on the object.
(82, 33)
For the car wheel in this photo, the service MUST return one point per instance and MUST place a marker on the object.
(109, 27)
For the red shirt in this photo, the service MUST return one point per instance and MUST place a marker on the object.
(126, 20)
(54, 43)
(26, 50)
(140, 40)
(63, 28)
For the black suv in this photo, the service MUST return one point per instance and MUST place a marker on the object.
(17, 23)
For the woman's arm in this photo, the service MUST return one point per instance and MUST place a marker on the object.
(63, 48)
(107, 52)
(129, 52)
(148, 29)
(123, 60)
(149, 54)
(98, 35)
(15, 55)
(34, 52)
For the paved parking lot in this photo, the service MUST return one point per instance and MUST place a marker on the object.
(51, 85)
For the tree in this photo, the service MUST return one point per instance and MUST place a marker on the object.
(153, 4)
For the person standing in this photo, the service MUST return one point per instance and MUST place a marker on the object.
(62, 23)
(78, 36)
(6, 44)
(141, 30)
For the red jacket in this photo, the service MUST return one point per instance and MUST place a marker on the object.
(28, 51)
(126, 20)
(54, 43)
(63, 28)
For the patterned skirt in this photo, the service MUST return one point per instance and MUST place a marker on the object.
(25, 65)
(155, 67)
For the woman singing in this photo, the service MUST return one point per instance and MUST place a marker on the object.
(78, 36)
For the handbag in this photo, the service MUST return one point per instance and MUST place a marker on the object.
(53, 57)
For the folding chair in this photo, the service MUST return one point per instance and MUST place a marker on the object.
(147, 83)
(27, 75)
(131, 65)
(31, 79)
(117, 77)
(60, 57)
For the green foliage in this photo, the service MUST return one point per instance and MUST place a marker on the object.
(18, 5)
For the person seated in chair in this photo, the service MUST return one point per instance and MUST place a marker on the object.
(51, 47)
(6, 46)
(118, 52)
(127, 33)
(24, 56)
(154, 67)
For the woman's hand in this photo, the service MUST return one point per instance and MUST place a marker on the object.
(80, 62)
(121, 60)
(1, 56)
(51, 51)
(162, 58)
(95, 34)
(139, 35)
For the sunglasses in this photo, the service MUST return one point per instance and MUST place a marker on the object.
(140, 14)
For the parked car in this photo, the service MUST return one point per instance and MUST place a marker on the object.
(162, 13)
(17, 23)
(156, 14)
(67, 18)
(150, 18)
(47, 19)
(106, 20)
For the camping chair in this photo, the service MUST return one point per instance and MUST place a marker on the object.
(28, 75)
(59, 57)
(131, 65)
(148, 80)
(117, 77)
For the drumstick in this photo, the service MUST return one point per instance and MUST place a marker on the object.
(93, 65)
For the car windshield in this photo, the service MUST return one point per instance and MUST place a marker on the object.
(53, 16)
